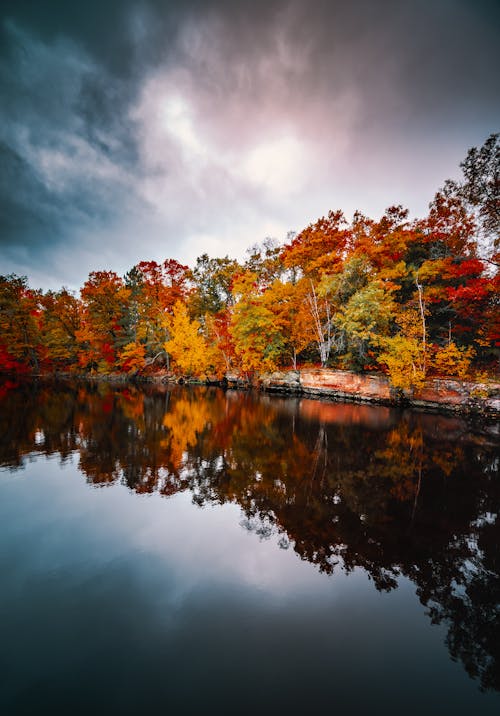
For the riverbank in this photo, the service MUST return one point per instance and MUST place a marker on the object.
(441, 394)
(480, 398)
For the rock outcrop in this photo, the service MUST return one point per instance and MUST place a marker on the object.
(437, 393)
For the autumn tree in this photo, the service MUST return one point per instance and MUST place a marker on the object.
(451, 274)
(404, 352)
(218, 335)
(61, 322)
(383, 243)
(320, 311)
(20, 317)
(101, 334)
(292, 316)
(363, 320)
(451, 360)
(361, 309)
(257, 338)
(155, 289)
(186, 344)
(319, 248)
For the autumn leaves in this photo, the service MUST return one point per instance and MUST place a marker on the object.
(412, 298)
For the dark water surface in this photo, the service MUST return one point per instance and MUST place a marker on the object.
(194, 551)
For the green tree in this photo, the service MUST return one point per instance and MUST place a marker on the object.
(213, 283)
(365, 317)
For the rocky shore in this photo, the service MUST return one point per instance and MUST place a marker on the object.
(442, 394)
(438, 394)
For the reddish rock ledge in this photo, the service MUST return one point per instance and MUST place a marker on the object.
(437, 394)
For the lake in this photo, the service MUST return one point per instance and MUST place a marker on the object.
(185, 550)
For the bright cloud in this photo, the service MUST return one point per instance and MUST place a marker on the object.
(208, 128)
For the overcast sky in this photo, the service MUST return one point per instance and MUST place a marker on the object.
(145, 130)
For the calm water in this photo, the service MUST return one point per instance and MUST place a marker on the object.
(194, 551)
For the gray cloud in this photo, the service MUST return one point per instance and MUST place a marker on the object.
(135, 130)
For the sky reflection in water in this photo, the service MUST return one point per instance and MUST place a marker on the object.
(118, 600)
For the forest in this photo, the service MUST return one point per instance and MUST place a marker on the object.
(410, 298)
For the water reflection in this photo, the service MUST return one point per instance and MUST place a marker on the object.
(345, 486)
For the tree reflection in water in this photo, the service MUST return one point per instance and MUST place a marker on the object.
(346, 486)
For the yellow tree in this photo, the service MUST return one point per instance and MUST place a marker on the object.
(404, 354)
(453, 360)
(258, 341)
(186, 345)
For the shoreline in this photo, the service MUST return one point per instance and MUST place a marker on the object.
(438, 395)
(446, 395)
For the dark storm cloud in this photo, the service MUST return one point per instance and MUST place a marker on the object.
(132, 130)
(65, 153)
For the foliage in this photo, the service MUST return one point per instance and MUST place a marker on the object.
(292, 317)
(453, 360)
(213, 280)
(186, 345)
(365, 317)
(407, 296)
(132, 357)
(20, 314)
(61, 321)
(257, 339)
(403, 358)
(319, 248)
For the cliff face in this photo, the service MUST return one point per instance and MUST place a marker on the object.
(437, 393)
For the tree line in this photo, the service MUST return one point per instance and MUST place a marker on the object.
(412, 298)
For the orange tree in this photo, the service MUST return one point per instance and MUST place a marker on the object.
(101, 334)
